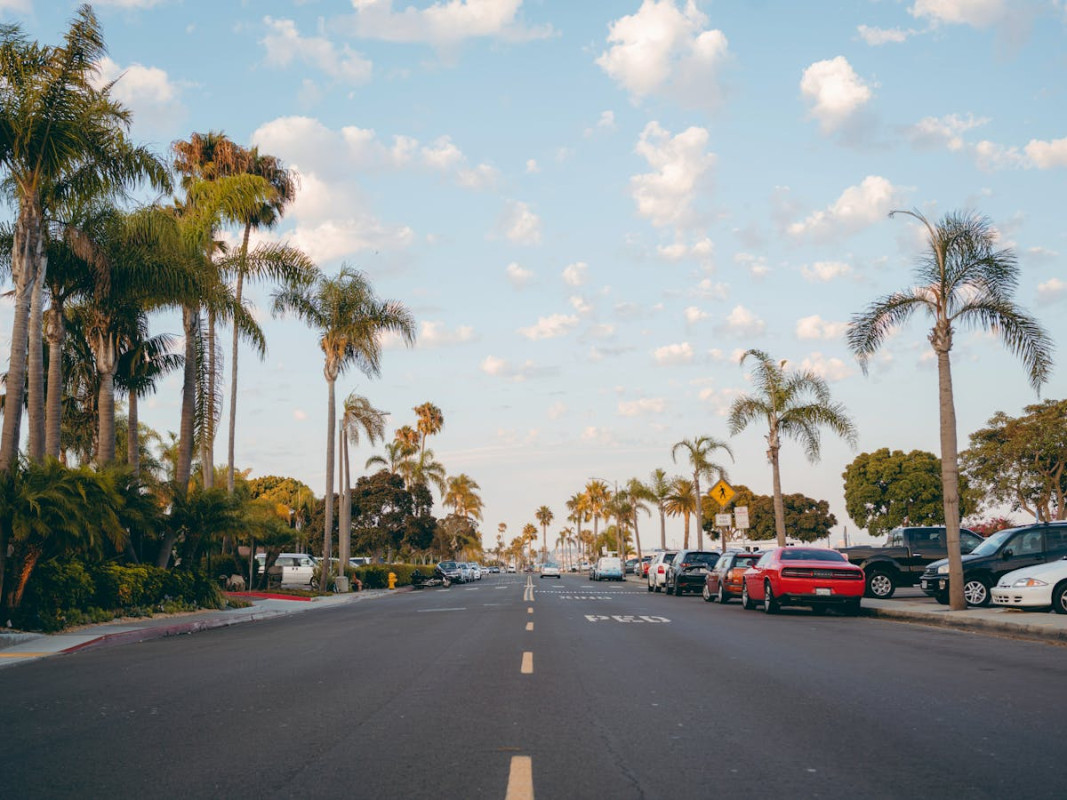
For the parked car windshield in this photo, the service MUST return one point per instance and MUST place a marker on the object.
(993, 543)
(448, 565)
(803, 554)
(702, 558)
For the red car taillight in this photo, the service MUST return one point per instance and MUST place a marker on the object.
(659, 569)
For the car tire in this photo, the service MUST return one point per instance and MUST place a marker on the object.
(678, 590)
(723, 597)
(770, 605)
(880, 584)
(746, 602)
(976, 592)
(658, 588)
(648, 586)
(707, 595)
(1059, 598)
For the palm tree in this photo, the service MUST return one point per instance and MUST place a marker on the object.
(423, 469)
(963, 279)
(597, 497)
(794, 404)
(462, 497)
(544, 516)
(565, 538)
(62, 139)
(350, 321)
(577, 507)
(659, 487)
(358, 415)
(638, 493)
(681, 502)
(431, 422)
(697, 451)
(396, 453)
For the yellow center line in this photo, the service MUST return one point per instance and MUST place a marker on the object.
(529, 626)
(529, 611)
(520, 779)
(23, 655)
(527, 663)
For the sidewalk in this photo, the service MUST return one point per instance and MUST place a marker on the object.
(1014, 622)
(18, 648)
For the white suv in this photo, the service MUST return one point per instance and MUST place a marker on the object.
(657, 569)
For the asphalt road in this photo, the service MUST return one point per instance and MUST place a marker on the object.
(623, 694)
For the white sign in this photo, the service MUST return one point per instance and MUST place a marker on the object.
(723, 520)
(741, 517)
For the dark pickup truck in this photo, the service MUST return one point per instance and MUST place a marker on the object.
(903, 558)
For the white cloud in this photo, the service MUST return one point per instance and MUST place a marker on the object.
(644, 405)
(665, 196)
(946, 131)
(519, 224)
(531, 166)
(148, 92)
(824, 271)
(443, 23)
(661, 48)
(1046, 155)
(879, 36)
(713, 291)
(991, 156)
(1051, 290)
(703, 249)
(742, 322)
(482, 176)
(550, 327)
(976, 13)
(856, 208)
(18, 6)
(557, 410)
(598, 436)
(756, 265)
(815, 327)
(129, 3)
(491, 365)
(436, 334)
(606, 122)
(693, 315)
(834, 91)
(673, 354)
(580, 304)
(575, 274)
(518, 275)
(831, 369)
(299, 414)
(284, 44)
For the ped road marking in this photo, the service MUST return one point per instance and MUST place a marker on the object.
(527, 663)
(520, 779)
(623, 618)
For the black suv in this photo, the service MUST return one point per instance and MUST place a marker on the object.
(1001, 553)
(686, 572)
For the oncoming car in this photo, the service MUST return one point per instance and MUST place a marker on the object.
(550, 570)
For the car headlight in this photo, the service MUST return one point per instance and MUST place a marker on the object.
(943, 569)
(1028, 582)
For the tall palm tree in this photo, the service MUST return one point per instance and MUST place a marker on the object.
(597, 496)
(423, 468)
(61, 139)
(431, 422)
(659, 487)
(681, 502)
(358, 415)
(793, 404)
(639, 494)
(697, 451)
(462, 496)
(963, 279)
(566, 536)
(544, 516)
(350, 321)
(396, 453)
(576, 506)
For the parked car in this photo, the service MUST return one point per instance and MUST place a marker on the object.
(476, 570)
(295, 569)
(511, 568)
(449, 571)
(550, 570)
(608, 568)
(657, 569)
(641, 570)
(687, 570)
(724, 580)
(631, 563)
(806, 576)
(1042, 586)
(465, 572)
(1003, 552)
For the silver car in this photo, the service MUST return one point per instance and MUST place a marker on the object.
(657, 569)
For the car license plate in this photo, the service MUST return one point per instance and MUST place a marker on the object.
(700, 571)
(926, 584)
(821, 592)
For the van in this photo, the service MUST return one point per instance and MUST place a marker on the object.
(608, 568)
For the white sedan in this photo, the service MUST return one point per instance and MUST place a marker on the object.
(549, 570)
(1041, 586)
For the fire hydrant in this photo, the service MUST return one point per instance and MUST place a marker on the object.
(392, 580)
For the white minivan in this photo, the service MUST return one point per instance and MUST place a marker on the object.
(297, 569)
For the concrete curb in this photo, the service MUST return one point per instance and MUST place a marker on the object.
(950, 620)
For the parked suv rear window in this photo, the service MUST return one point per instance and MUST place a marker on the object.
(701, 558)
(668, 557)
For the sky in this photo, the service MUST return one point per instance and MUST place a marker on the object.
(593, 208)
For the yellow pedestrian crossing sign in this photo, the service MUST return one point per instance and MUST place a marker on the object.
(722, 492)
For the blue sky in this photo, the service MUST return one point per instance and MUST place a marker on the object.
(592, 208)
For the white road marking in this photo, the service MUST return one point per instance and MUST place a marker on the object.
(529, 626)
(520, 779)
(624, 618)
(529, 611)
(527, 663)
(430, 610)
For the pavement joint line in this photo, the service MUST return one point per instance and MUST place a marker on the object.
(520, 779)
(527, 663)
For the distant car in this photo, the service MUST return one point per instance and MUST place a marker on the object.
(1042, 586)
(687, 571)
(724, 580)
(465, 572)
(550, 570)
(641, 570)
(806, 576)
(657, 569)
(449, 572)
(495, 570)
(476, 571)
(296, 569)
(511, 568)
(631, 564)
(359, 561)
(608, 568)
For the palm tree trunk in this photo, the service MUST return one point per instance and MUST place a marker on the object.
(950, 480)
(331, 411)
(686, 539)
(35, 367)
(344, 518)
(25, 255)
(699, 511)
(104, 352)
(207, 443)
(233, 365)
(55, 332)
(779, 505)
(662, 529)
(133, 437)
(637, 536)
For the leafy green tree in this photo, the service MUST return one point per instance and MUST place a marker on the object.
(381, 507)
(807, 519)
(698, 451)
(886, 489)
(794, 404)
(463, 498)
(963, 279)
(1021, 462)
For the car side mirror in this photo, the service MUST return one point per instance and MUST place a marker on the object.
(1009, 553)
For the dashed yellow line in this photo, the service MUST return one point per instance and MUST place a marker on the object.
(529, 626)
(527, 663)
(529, 611)
(23, 655)
(520, 779)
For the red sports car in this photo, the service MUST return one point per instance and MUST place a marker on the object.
(803, 576)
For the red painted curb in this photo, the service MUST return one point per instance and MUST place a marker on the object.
(268, 596)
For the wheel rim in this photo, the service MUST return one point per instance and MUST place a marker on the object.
(768, 598)
(744, 595)
(707, 594)
(1061, 600)
(881, 585)
(975, 593)
(722, 594)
